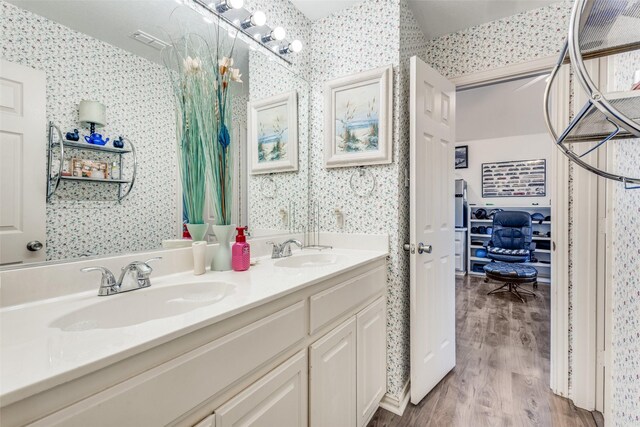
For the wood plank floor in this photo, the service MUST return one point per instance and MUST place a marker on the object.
(501, 376)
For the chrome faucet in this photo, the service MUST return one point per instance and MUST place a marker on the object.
(137, 273)
(283, 250)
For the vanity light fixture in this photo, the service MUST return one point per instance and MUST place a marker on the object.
(257, 19)
(261, 36)
(277, 34)
(225, 5)
(295, 47)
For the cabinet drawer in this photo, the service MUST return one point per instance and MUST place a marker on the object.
(277, 399)
(175, 387)
(333, 302)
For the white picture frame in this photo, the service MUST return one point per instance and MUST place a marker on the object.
(358, 119)
(273, 134)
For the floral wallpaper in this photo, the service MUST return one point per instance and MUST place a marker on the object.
(519, 38)
(139, 106)
(626, 267)
(371, 41)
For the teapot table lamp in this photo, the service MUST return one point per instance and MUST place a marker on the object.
(92, 113)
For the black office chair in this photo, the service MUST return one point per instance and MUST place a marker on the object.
(511, 244)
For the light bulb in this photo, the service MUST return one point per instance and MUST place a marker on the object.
(257, 36)
(279, 33)
(295, 46)
(275, 48)
(226, 5)
(258, 18)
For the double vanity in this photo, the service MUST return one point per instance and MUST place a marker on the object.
(295, 341)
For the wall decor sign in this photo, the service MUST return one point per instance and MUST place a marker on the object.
(357, 112)
(520, 178)
(462, 157)
(273, 134)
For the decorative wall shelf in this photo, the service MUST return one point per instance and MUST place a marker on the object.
(54, 178)
(598, 28)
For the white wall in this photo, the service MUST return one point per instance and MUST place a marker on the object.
(524, 147)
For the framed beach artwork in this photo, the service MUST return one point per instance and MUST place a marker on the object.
(358, 119)
(273, 134)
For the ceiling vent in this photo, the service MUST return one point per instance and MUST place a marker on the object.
(149, 40)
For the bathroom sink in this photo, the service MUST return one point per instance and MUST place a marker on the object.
(135, 307)
(307, 261)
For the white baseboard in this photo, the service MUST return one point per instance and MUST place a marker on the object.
(395, 405)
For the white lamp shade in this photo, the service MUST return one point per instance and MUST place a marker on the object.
(92, 112)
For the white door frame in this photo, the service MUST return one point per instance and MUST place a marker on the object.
(559, 188)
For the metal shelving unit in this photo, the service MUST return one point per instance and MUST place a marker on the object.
(54, 178)
(599, 28)
(544, 268)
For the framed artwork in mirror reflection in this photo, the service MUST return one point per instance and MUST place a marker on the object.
(462, 157)
(358, 115)
(273, 134)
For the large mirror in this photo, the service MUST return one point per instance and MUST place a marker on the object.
(114, 54)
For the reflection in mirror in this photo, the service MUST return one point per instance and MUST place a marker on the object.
(277, 160)
(118, 64)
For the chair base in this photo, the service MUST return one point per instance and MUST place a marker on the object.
(514, 289)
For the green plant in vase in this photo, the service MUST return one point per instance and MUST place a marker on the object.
(220, 163)
(202, 80)
(190, 70)
(190, 88)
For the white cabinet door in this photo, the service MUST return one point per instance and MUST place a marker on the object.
(278, 399)
(371, 359)
(333, 378)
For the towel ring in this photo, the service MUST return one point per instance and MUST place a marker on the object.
(269, 190)
(361, 173)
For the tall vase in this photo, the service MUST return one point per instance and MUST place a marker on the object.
(198, 231)
(222, 255)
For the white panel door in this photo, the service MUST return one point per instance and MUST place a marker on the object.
(371, 328)
(22, 163)
(333, 378)
(432, 230)
(278, 399)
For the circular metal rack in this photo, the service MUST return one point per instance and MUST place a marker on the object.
(599, 28)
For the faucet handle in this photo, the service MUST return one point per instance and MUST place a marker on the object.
(108, 281)
(158, 258)
(275, 251)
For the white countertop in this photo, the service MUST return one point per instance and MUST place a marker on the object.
(35, 356)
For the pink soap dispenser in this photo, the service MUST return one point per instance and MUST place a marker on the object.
(240, 252)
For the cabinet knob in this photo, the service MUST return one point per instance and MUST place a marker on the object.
(34, 246)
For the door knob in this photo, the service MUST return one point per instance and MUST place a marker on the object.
(409, 248)
(422, 248)
(34, 246)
